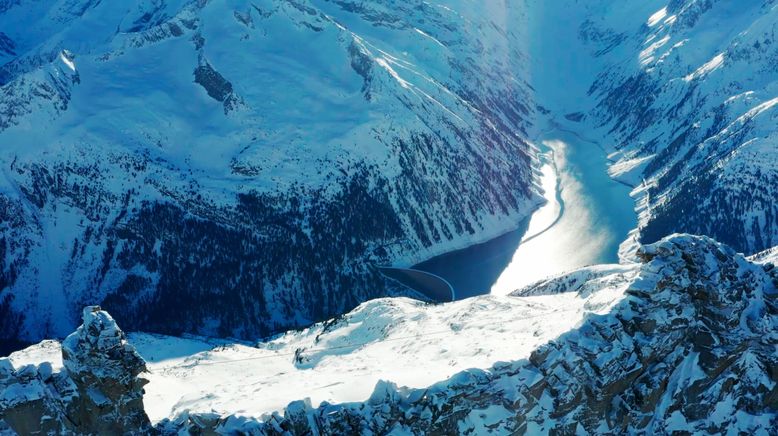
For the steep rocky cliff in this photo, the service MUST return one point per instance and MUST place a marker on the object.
(98, 391)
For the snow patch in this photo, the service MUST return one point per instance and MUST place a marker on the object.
(658, 16)
(67, 58)
(647, 55)
(709, 66)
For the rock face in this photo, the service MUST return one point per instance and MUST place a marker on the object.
(692, 348)
(105, 368)
(98, 391)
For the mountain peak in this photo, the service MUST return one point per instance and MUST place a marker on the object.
(98, 391)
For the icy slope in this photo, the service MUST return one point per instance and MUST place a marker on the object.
(247, 162)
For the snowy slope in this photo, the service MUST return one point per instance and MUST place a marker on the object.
(682, 341)
(689, 96)
(768, 256)
(689, 347)
(411, 343)
(248, 162)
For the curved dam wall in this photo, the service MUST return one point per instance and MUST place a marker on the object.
(432, 286)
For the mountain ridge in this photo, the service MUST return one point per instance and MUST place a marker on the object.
(683, 341)
(690, 347)
(165, 153)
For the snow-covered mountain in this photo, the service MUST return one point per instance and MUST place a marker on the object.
(682, 95)
(685, 340)
(689, 98)
(249, 163)
(239, 168)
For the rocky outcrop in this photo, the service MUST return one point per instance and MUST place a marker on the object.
(98, 391)
(692, 348)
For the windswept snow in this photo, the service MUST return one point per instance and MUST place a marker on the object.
(407, 342)
(768, 256)
(647, 56)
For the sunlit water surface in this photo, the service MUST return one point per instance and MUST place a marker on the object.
(588, 215)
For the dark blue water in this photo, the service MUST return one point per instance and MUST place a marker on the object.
(8, 346)
(473, 270)
(593, 214)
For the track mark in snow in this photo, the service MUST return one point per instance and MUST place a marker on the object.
(421, 32)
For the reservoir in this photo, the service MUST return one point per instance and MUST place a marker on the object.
(587, 216)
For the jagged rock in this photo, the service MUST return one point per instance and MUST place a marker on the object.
(26, 406)
(691, 347)
(98, 391)
(105, 368)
